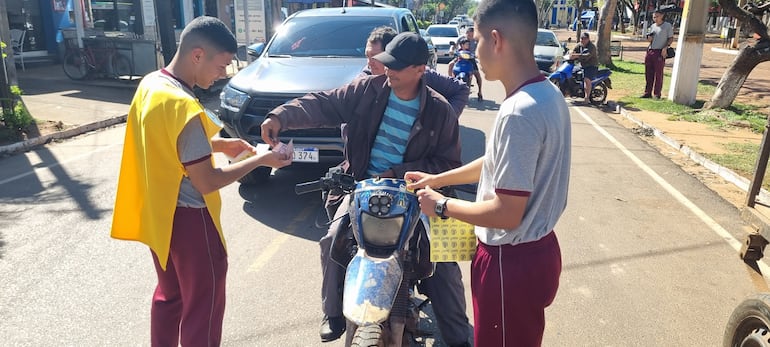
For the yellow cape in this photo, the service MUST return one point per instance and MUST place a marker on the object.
(150, 171)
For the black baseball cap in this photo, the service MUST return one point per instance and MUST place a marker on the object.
(406, 49)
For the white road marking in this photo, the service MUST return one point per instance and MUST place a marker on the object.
(275, 245)
(718, 229)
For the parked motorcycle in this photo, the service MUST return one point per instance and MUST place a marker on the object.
(569, 78)
(386, 253)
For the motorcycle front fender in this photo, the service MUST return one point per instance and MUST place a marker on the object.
(371, 285)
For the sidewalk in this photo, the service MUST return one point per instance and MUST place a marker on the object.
(65, 108)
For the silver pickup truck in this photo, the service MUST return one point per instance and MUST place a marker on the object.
(313, 50)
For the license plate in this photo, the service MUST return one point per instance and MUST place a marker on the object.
(306, 155)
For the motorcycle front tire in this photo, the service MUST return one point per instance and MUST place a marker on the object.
(598, 94)
(749, 323)
(368, 336)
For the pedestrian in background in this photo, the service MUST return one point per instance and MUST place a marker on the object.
(660, 36)
(523, 180)
(168, 188)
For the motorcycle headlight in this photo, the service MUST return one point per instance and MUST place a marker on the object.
(232, 99)
(381, 232)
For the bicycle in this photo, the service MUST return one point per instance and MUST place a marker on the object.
(86, 62)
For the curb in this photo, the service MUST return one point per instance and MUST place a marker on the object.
(727, 174)
(81, 129)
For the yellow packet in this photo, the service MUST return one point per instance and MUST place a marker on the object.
(451, 240)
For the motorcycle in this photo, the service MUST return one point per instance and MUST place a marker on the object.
(569, 79)
(386, 254)
(463, 68)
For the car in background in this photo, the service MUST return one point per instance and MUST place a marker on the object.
(313, 50)
(442, 35)
(548, 50)
(432, 56)
(454, 22)
(464, 20)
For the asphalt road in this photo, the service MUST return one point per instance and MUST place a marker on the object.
(649, 254)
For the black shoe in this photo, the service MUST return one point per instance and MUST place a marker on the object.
(657, 97)
(646, 96)
(332, 328)
(481, 98)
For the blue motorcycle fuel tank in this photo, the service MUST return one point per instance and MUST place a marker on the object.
(371, 285)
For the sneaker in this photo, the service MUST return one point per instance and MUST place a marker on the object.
(332, 328)
(646, 96)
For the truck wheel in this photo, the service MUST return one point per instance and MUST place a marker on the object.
(256, 176)
(368, 336)
(749, 324)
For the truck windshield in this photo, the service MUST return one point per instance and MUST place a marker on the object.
(325, 36)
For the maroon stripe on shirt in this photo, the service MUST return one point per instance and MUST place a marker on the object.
(196, 161)
(529, 81)
(513, 192)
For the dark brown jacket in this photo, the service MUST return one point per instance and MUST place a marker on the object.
(434, 142)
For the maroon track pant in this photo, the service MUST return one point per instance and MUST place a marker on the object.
(653, 72)
(189, 301)
(512, 286)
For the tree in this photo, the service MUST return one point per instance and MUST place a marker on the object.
(606, 15)
(544, 6)
(748, 57)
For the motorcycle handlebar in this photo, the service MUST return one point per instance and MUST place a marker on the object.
(307, 187)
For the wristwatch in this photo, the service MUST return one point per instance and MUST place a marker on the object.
(440, 208)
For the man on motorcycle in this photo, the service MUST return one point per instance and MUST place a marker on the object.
(395, 124)
(469, 36)
(585, 53)
(455, 92)
(464, 61)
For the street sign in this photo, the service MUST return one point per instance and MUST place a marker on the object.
(249, 21)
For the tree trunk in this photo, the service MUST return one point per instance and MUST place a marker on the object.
(748, 57)
(735, 76)
(579, 24)
(606, 15)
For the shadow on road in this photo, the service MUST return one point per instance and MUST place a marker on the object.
(276, 205)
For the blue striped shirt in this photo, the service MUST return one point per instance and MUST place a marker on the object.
(390, 143)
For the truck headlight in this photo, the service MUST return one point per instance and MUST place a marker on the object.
(232, 99)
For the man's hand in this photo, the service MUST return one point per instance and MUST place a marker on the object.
(270, 129)
(428, 199)
(274, 159)
(231, 147)
(416, 179)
